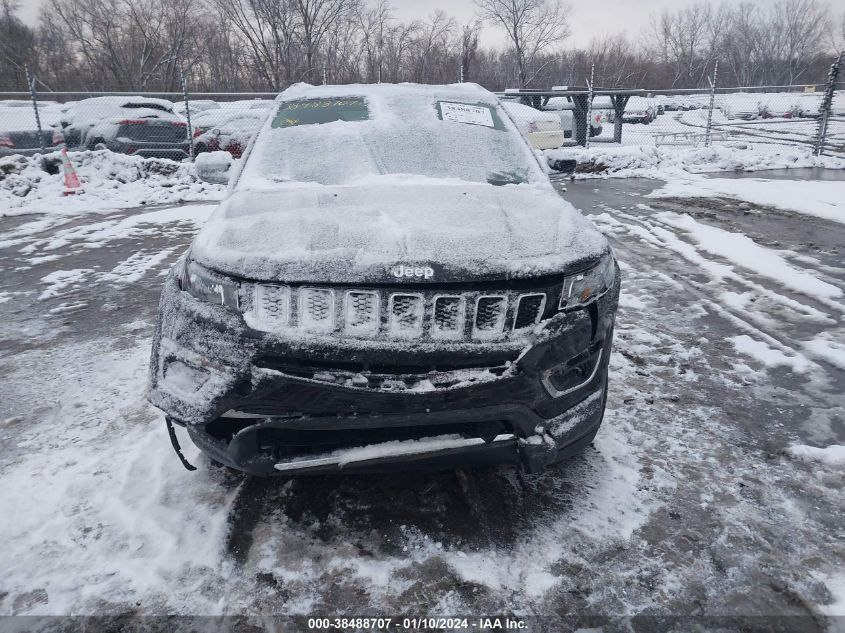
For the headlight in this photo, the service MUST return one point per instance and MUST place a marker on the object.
(205, 285)
(584, 287)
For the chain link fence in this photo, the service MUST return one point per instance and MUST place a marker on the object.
(810, 116)
(179, 126)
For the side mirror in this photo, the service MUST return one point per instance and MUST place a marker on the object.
(214, 167)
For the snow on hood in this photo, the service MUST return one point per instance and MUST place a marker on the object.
(355, 234)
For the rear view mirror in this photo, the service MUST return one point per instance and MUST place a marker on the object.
(214, 167)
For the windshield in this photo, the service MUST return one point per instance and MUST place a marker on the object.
(390, 131)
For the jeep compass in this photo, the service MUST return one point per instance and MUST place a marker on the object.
(391, 282)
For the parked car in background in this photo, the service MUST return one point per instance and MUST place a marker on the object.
(138, 126)
(542, 129)
(195, 107)
(639, 110)
(565, 109)
(780, 109)
(19, 130)
(745, 107)
(248, 104)
(226, 130)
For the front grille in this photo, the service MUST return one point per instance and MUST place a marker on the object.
(383, 312)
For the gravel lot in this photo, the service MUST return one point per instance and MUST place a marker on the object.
(692, 501)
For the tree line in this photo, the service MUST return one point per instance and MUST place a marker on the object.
(266, 45)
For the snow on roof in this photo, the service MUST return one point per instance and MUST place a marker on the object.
(119, 101)
(445, 91)
(17, 119)
(523, 113)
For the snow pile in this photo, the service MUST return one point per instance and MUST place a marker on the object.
(831, 351)
(663, 162)
(742, 250)
(819, 198)
(831, 455)
(769, 356)
(110, 181)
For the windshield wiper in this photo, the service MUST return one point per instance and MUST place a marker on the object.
(500, 178)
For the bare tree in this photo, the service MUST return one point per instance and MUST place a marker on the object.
(469, 47)
(16, 47)
(797, 30)
(315, 18)
(374, 25)
(138, 44)
(532, 27)
(267, 28)
(430, 47)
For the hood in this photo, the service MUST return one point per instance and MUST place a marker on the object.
(444, 232)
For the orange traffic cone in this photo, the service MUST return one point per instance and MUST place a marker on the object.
(72, 184)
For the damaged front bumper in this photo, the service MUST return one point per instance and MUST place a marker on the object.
(267, 405)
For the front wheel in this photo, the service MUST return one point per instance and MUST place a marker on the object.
(200, 149)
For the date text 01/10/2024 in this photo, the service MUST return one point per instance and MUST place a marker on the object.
(419, 623)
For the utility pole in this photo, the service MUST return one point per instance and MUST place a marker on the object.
(590, 104)
(708, 134)
(188, 112)
(30, 79)
(827, 102)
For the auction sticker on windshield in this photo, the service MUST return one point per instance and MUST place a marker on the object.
(466, 113)
(315, 111)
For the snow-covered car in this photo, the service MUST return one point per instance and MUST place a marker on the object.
(138, 126)
(226, 130)
(19, 131)
(248, 104)
(639, 110)
(777, 109)
(195, 107)
(745, 107)
(565, 109)
(542, 129)
(392, 281)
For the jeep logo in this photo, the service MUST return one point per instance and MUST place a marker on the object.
(401, 270)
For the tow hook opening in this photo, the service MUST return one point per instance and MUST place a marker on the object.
(174, 442)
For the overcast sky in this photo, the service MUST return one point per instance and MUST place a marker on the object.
(589, 17)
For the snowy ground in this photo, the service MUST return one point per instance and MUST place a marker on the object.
(713, 488)
(774, 132)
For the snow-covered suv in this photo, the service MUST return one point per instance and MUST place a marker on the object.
(390, 282)
(138, 126)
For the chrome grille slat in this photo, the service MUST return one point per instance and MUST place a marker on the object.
(406, 314)
(273, 304)
(362, 311)
(448, 318)
(490, 312)
(529, 310)
(316, 309)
